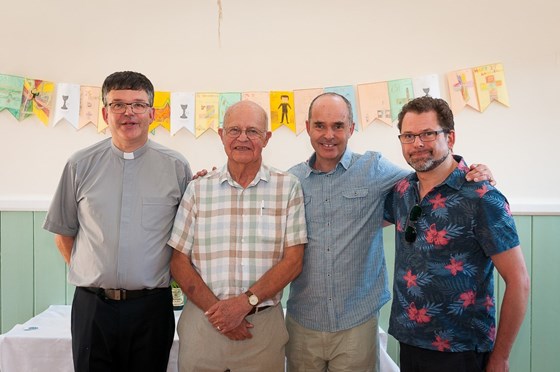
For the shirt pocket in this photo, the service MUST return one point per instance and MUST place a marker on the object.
(355, 202)
(158, 213)
(270, 227)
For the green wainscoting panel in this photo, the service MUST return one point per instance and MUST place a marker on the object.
(50, 269)
(520, 359)
(389, 247)
(16, 267)
(545, 294)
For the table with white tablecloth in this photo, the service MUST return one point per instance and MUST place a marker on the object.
(43, 343)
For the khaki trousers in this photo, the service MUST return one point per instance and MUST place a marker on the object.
(351, 350)
(204, 349)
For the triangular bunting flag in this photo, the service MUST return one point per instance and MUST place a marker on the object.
(67, 104)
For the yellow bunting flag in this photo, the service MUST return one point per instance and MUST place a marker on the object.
(206, 113)
(162, 111)
(282, 110)
(490, 84)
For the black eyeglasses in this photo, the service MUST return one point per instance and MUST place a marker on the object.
(410, 233)
(427, 136)
(120, 107)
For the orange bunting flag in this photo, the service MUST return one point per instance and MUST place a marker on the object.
(162, 111)
(206, 113)
(302, 99)
(374, 103)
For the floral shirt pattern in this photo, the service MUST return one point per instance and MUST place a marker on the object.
(444, 285)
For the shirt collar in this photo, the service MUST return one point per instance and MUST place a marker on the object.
(344, 161)
(455, 180)
(130, 155)
(263, 174)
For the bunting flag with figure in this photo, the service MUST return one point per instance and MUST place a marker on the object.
(282, 110)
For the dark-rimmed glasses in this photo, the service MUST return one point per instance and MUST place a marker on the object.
(410, 233)
(120, 107)
(427, 136)
(252, 133)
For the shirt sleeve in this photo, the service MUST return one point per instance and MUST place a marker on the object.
(296, 228)
(389, 210)
(495, 229)
(182, 234)
(62, 217)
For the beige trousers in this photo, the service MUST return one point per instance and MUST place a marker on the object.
(204, 349)
(352, 350)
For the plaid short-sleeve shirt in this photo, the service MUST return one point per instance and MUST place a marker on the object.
(234, 235)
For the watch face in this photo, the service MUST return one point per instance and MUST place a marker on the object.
(253, 300)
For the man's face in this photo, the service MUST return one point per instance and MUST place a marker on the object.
(329, 129)
(244, 135)
(425, 156)
(129, 129)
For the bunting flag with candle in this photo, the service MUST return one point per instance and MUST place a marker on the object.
(206, 113)
(302, 99)
(11, 90)
(427, 85)
(36, 99)
(282, 110)
(90, 103)
(226, 100)
(162, 111)
(461, 90)
(182, 111)
(400, 92)
(347, 92)
(260, 98)
(374, 103)
(67, 104)
(490, 85)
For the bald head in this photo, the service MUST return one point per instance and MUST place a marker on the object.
(249, 111)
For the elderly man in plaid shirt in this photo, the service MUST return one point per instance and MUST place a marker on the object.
(238, 236)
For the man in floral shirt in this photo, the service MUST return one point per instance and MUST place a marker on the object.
(449, 236)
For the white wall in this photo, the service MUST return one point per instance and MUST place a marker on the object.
(285, 45)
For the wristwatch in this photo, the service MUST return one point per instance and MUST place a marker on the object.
(253, 299)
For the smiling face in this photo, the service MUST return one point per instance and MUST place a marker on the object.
(329, 128)
(242, 150)
(129, 130)
(425, 156)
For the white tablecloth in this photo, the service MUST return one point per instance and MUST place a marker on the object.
(43, 344)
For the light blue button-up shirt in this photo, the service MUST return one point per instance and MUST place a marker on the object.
(344, 279)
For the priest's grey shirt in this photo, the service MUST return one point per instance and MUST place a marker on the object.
(120, 208)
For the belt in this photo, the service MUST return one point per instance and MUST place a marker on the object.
(123, 294)
(258, 309)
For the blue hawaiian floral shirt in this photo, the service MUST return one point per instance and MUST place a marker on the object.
(444, 284)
